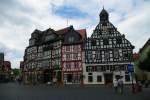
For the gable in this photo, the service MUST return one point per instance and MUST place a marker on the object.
(72, 37)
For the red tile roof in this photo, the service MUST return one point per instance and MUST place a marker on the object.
(135, 56)
(82, 33)
(62, 31)
(145, 46)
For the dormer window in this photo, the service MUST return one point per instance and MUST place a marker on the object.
(71, 39)
(49, 37)
(31, 42)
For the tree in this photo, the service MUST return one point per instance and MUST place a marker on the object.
(16, 72)
(144, 60)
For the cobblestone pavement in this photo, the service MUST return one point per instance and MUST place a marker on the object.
(13, 91)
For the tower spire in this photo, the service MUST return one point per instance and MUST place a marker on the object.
(104, 16)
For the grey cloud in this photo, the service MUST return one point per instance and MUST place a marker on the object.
(9, 10)
(13, 5)
(12, 55)
(7, 50)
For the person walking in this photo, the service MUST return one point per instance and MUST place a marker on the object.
(120, 86)
(116, 85)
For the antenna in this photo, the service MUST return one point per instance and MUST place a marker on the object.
(67, 22)
(102, 1)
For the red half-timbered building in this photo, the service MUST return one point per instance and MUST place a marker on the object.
(71, 54)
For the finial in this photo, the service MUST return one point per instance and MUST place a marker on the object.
(103, 6)
(67, 22)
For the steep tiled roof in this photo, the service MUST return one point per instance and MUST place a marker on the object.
(135, 56)
(82, 33)
(65, 30)
(145, 46)
(62, 31)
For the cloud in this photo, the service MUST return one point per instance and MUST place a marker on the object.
(19, 18)
(69, 12)
(136, 27)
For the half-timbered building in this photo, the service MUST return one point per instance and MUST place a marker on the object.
(72, 55)
(39, 57)
(106, 54)
(45, 57)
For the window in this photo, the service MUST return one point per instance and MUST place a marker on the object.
(67, 48)
(90, 55)
(127, 78)
(67, 56)
(123, 67)
(75, 47)
(116, 54)
(119, 40)
(93, 42)
(125, 55)
(90, 78)
(99, 69)
(75, 56)
(71, 39)
(89, 69)
(49, 37)
(106, 55)
(112, 68)
(76, 65)
(104, 24)
(98, 54)
(103, 68)
(97, 42)
(105, 42)
(89, 73)
(68, 65)
(99, 78)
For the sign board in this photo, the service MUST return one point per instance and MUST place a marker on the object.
(130, 68)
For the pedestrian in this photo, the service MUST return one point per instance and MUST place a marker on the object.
(54, 81)
(139, 86)
(146, 83)
(120, 85)
(116, 85)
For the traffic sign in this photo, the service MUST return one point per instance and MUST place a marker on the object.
(130, 68)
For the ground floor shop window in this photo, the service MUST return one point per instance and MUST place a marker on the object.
(127, 78)
(99, 78)
(72, 78)
(90, 78)
(69, 78)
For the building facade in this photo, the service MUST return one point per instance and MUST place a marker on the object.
(72, 56)
(44, 58)
(5, 69)
(106, 54)
(142, 74)
(68, 56)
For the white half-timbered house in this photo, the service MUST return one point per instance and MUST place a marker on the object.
(106, 54)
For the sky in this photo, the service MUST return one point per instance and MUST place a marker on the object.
(19, 18)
